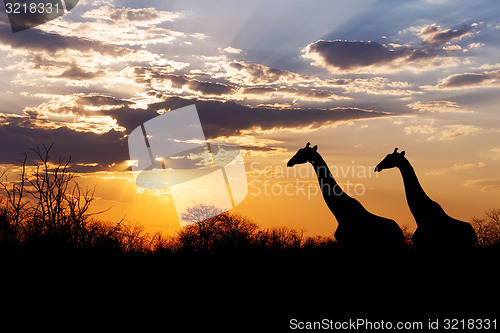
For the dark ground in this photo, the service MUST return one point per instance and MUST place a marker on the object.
(243, 291)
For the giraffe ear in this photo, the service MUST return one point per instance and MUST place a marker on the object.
(402, 153)
(315, 148)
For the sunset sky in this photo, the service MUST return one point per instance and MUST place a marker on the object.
(357, 78)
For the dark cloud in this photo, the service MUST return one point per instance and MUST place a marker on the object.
(434, 35)
(421, 54)
(37, 40)
(99, 100)
(92, 113)
(339, 82)
(150, 76)
(137, 16)
(116, 108)
(471, 80)
(20, 133)
(353, 54)
(259, 90)
(346, 55)
(131, 14)
(261, 74)
(229, 118)
(78, 73)
(296, 92)
(250, 79)
(83, 147)
(209, 88)
(487, 185)
(77, 104)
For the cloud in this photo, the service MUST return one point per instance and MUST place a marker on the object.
(291, 93)
(377, 86)
(114, 33)
(474, 46)
(450, 132)
(347, 56)
(76, 112)
(420, 129)
(438, 107)
(230, 49)
(469, 80)
(100, 115)
(257, 74)
(486, 185)
(351, 55)
(136, 16)
(78, 73)
(92, 128)
(341, 56)
(158, 79)
(230, 119)
(457, 167)
(258, 84)
(119, 26)
(433, 34)
(37, 40)
(442, 133)
(84, 147)
(453, 49)
(495, 153)
(209, 88)
(241, 86)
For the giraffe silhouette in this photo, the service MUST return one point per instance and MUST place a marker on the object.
(357, 227)
(436, 230)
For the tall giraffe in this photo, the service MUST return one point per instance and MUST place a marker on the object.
(435, 228)
(357, 228)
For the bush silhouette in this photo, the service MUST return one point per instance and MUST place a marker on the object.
(222, 231)
(45, 208)
(488, 228)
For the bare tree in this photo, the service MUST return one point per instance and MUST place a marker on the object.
(47, 203)
(407, 235)
(488, 228)
(280, 238)
(200, 211)
(15, 212)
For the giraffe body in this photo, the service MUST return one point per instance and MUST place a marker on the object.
(357, 227)
(435, 228)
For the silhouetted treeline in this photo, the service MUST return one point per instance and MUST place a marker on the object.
(44, 208)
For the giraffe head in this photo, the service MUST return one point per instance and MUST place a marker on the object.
(303, 155)
(390, 161)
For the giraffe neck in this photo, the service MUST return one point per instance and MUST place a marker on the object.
(417, 199)
(334, 196)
